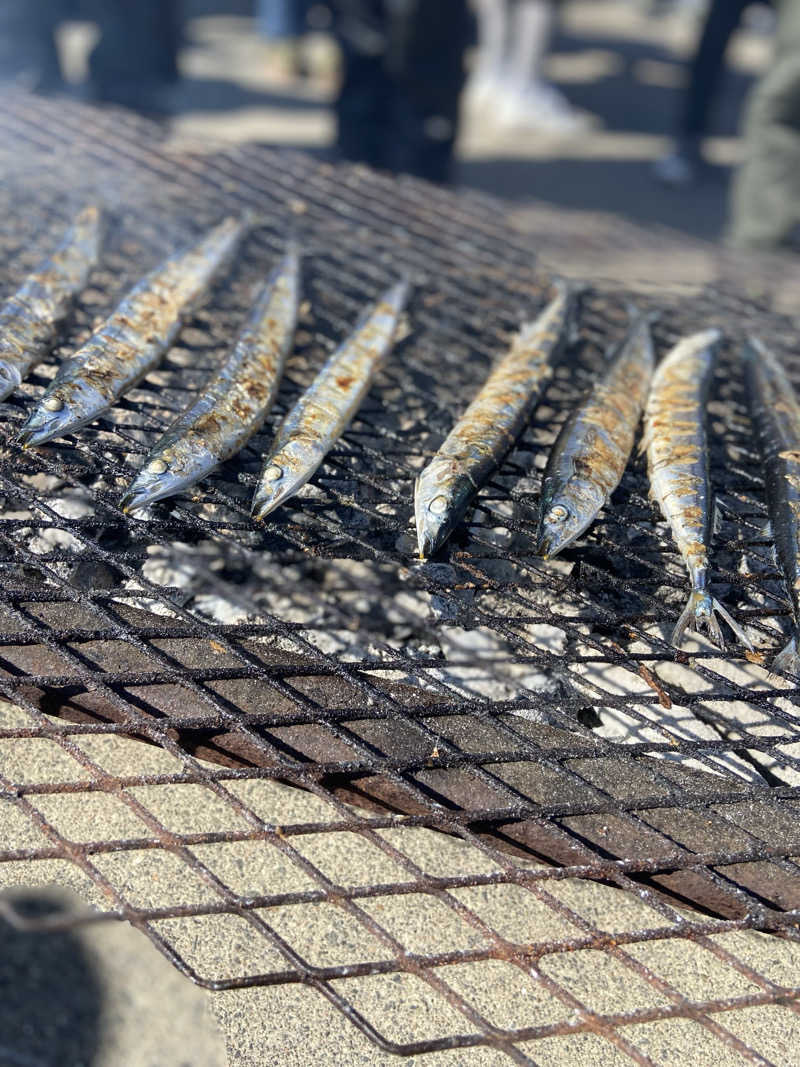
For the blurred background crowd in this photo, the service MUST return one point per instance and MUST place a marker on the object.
(641, 107)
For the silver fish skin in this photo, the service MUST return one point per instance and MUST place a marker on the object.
(29, 318)
(491, 424)
(677, 458)
(775, 411)
(234, 403)
(134, 339)
(592, 451)
(324, 411)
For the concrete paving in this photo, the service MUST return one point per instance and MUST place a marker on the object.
(103, 995)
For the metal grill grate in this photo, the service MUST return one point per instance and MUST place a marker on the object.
(535, 714)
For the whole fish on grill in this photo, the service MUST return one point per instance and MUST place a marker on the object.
(776, 416)
(592, 451)
(28, 319)
(134, 339)
(677, 459)
(491, 424)
(233, 404)
(324, 411)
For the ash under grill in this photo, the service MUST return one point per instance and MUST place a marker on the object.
(536, 714)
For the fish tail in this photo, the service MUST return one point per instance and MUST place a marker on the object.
(788, 660)
(695, 615)
(739, 633)
(700, 614)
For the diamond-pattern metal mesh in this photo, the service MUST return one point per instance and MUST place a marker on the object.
(477, 739)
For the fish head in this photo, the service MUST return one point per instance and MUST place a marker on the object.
(168, 470)
(284, 472)
(51, 418)
(66, 406)
(565, 513)
(441, 497)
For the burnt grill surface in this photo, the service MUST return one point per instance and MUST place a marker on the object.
(535, 712)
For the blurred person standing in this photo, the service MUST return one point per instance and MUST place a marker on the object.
(766, 193)
(513, 40)
(402, 75)
(682, 165)
(135, 61)
(284, 23)
(28, 50)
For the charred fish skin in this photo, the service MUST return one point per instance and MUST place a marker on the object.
(491, 424)
(591, 453)
(676, 443)
(234, 403)
(134, 339)
(324, 411)
(29, 318)
(775, 411)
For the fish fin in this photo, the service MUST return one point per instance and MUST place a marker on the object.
(726, 509)
(573, 289)
(700, 614)
(738, 631)
(788, 660)
(644, 443)
(687, 620)
(716, 517)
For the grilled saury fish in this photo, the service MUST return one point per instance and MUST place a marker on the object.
(677, 460)
(491, 424)
(589, 457)
(133, 340)
(233, 404)
(776, 415)
(326, 408)
(29, 317)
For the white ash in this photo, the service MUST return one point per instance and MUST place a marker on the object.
(170, 569)
(44, 483)
(72, 504)
(47, 539)
(166, 569)
(738, 720)
(649, 721)
(219, 609)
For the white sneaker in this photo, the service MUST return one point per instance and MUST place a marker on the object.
(542, 108)
(481, 92)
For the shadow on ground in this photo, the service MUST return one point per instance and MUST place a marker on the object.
(621, 187)
(50, 995)
(216, 94)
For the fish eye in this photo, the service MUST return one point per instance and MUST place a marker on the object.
(438, 505)
(53, 403)
(157, 466)
(558, 513)
(273, 473)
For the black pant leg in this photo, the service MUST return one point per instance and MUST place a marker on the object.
(706, 67)
(403, 75)
(28, 50)
(428, 80)
(138, 47)
(363, 106)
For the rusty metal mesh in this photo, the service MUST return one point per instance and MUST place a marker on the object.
(534, 716)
